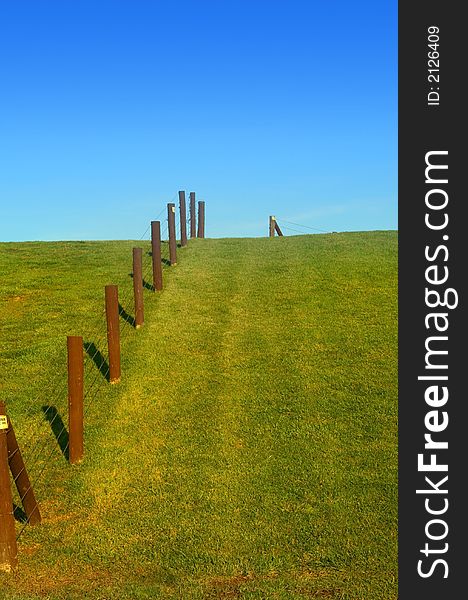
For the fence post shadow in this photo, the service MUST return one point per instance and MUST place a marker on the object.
(146, 285)
(58, 428)
(98, 359)
(165, 261)
(125, 316)
(19, 514)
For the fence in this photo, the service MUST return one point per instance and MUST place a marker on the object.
(274, 227)
(87, 371)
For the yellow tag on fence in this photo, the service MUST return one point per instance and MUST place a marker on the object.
(3, 422)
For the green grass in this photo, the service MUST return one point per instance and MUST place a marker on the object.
(250, 450)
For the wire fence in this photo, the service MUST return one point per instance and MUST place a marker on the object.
(52, 442)
(298, 227)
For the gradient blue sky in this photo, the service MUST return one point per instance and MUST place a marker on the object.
(262, 107)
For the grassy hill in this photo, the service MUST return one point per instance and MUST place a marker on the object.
(250, 450)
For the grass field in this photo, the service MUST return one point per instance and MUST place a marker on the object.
(250, 450)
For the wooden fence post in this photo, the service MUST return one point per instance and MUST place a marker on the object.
(75, 399)
(277, 228)
(183, 219)
(138, 286)
(20, 477)
(193, 217)
(172, 234)
(272, 226)
(113, 332)
(201, 219)
(8, 546)
(156, 255)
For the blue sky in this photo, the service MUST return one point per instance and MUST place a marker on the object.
(108, 108)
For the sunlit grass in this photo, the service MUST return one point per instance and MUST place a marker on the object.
(250, 450)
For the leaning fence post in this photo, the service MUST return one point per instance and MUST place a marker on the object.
(138, 285)
(201, 219)
(272, 226)
(156, 255)
(277, 228)
(21, 478)
(75, 398)
(172, 234)
(193, 217)
(113, 332)
(8, 546)
(183, 219)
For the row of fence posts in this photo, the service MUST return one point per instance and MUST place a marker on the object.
(10, 454)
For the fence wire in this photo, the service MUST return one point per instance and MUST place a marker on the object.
(42, 457)
(281, 222)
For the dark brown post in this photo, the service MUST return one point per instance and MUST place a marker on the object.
(138, 286)
(193, 218)
(172, 234)
(75, 398)
(201, 219)
(183, 219)
(21, 479)
(113, 332)
(272, 226)
(8, 547)
(277, 228)
(156, 255)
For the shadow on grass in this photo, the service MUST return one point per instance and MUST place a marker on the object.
(165, 261)
(19, 514)
(57, 425)
(125, 316)
(97, 358)
(146, 285)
